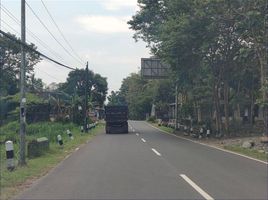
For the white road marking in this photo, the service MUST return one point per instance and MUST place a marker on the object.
(196, 187)
(133, 130)
(238, 154)
(156, 152)
(76, 149)
(137, 134)
(143, 140)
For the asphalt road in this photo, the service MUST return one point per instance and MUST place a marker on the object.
(148, 164)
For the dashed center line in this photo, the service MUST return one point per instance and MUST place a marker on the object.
(137, 134)
(143, 140)
(196, 187)
(156, 152)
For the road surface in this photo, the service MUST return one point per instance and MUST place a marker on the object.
(149, 164)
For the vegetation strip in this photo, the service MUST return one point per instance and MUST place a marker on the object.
(247, 153)
(22, 177)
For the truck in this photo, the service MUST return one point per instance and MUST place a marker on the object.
(116, 118)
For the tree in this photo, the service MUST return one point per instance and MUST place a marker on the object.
(214, 48)
(75, 84)
(10, 67)
(115, 98)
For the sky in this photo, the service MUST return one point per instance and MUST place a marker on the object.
(96, 29)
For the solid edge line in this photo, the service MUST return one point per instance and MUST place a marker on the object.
(224, 150)
(156, 152)
(143, 140)
(196, 187)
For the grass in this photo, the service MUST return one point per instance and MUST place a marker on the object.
(13, 182)
(235, 148)
(163, 128)
(248, 152)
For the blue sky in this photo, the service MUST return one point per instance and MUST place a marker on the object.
(96, 29)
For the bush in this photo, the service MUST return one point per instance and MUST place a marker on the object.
(151, 119)
(50, 130)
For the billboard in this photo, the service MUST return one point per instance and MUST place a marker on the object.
(153, 68)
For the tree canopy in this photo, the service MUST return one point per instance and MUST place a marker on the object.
(10, 56)
(216, 49)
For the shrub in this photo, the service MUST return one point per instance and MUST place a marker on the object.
(151, 119)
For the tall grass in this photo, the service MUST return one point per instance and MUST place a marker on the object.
(50, 130)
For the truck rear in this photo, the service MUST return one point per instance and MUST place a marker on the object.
(116, 119)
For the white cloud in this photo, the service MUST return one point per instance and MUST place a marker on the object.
(104, 24)
(119, 4)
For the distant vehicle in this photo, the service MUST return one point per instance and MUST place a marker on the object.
(116, 119)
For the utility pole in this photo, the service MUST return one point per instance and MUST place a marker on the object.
(86, 101)
(2, 56)
(265, 95)
(176, 96)
(22, 160)
(176, 106)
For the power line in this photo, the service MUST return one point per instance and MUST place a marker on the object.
(61, 33)
(11, 16)
(50, 75)
(2, 21)
(34, 50)
(51, 33)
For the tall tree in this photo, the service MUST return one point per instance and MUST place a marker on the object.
(76, 82)
(10, 66)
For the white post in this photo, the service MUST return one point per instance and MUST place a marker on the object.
(208, 132)
(69, 133)
(10, 155)
(82, 129)
(60, 140)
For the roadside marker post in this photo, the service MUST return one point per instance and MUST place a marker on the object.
(10, 155)
(208, 132)
(82, 129)
(191, 130)
(69, 133)
(60, 140)
(201, 132)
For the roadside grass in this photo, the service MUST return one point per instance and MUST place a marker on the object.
(163, 128)
(235, 148)
(248, 152)
(13, 182)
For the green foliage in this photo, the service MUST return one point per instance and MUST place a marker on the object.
(76, 83)
(216, 50)
(151, 119)
(140, 95)
(31, 98)
(37, 167)
(9, 69)
(50, 130)
(9, 106)
(115, 98)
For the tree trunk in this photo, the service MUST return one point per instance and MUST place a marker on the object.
(199, 115)
(226, 106)
(238, 105)
(217, 108)
(251, 112)
(263, 66)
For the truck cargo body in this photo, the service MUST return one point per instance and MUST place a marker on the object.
(116, 119)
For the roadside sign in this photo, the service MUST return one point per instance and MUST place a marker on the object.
(153, 68)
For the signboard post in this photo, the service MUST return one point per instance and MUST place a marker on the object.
(154, 68)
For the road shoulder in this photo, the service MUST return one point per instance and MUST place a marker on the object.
(207, 143)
